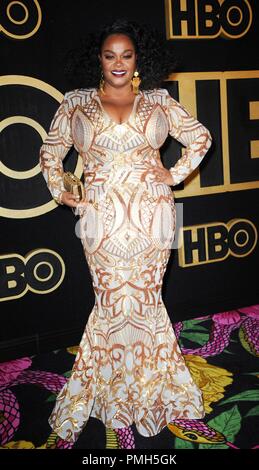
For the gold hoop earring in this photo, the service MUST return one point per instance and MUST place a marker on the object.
(135, 82)
(101, 84)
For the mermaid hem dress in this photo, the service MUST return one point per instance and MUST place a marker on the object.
(129, 367)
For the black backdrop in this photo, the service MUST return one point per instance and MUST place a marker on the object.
(45, 286)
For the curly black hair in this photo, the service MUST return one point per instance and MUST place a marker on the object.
(155, 59)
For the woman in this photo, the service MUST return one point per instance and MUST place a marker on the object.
(129, 367)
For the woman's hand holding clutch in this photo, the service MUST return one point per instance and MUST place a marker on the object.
(78, 205)
(69, 199)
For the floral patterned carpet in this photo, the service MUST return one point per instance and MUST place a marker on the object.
(221, 352)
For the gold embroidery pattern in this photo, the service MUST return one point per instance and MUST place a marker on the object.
(129, 367)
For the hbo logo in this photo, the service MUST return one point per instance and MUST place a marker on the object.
(216, 241)
(197, 19)
(41, 272)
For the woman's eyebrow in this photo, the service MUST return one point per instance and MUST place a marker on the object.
(108, 50)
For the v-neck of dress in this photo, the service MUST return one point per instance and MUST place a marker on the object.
(108, 115)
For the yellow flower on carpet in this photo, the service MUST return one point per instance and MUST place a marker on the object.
(73, 350)
(211, 379)
(18, 445)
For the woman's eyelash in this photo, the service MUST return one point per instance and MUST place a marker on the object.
(125, 57)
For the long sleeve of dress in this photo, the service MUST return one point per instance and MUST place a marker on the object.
(191, 133)
(54, 149)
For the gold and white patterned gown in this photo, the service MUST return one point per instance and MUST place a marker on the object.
(129, 366)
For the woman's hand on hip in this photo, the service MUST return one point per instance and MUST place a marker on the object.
(162, 175)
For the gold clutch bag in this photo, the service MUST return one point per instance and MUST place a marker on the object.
(74, 185)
